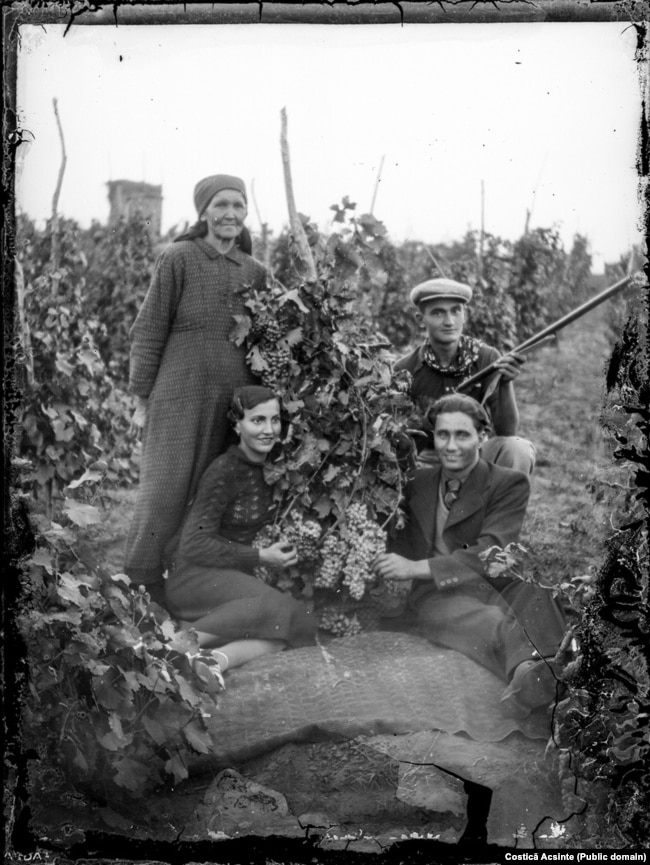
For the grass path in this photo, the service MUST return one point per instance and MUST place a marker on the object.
(560, 396)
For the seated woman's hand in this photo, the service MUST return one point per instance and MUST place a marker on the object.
(279, 555)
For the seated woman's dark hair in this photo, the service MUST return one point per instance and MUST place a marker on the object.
(247, 397)
(462, 403)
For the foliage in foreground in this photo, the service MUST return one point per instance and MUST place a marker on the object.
(118, 696)
(75, 408)
(603, 717)
(603, 723)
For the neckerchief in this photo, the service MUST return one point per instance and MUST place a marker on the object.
(466, 355)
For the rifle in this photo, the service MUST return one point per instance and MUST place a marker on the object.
(549, 332)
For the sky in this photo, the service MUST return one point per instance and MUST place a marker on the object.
(511, 117)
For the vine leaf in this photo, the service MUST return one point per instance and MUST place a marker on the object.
(80, 514)
(295, 297)
(177, 768)
(197, 738)
(154, 729)
(88, 476)
(129, 773)
(241, 329)
(42, 558)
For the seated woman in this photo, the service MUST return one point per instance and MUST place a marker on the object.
(211, 585)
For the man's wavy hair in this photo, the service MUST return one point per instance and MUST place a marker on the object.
(462, 403)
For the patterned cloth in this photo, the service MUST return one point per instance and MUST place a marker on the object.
(452, 488)
(210, 583)
(183, 361)
(431, 381)
(467, 354)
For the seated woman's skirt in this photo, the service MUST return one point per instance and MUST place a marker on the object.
(234, 605)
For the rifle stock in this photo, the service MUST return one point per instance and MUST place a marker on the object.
(550, 331)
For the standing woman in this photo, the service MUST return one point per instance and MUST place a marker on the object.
(211, 584)
(184, 368)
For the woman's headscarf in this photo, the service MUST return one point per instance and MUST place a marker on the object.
(207, 188)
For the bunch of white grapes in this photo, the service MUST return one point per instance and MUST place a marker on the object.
(333, 551)
(298, 532)
(304, 535)
(366, 540)
(339, 624)
(348, 555)
(266, 536)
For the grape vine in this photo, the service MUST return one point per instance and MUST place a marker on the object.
(344, 464)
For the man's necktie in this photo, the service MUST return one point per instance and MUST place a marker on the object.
(451, 491)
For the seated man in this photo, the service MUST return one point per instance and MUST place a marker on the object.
(454, 511)
(447, 357)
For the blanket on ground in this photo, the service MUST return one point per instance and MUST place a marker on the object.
(367, 685)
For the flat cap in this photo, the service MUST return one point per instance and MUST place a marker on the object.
(440, 289)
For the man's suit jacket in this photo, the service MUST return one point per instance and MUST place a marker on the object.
(489, 511)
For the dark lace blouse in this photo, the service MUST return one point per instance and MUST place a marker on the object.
(232, 504)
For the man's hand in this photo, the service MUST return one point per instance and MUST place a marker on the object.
(510, 366)
(390, 566)
(279, 555)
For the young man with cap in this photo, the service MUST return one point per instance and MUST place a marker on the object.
(454, 512)
(448, 356)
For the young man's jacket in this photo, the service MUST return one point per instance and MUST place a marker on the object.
(489, 511)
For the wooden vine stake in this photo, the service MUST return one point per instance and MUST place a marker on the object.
(297, 230)
(23, 326)
(377, 182)
(54, 254)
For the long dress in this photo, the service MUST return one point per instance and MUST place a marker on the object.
(210, 583)
(183, 361)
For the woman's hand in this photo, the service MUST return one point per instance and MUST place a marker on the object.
(279, 555)
(139, 416)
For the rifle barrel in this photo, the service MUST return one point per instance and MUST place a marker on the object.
(551, 330)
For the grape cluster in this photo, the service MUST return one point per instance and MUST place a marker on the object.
(397, 588)
(304, 535)
(339, 624)
(333, 556)
(402, 381)
(265, 327)
(300, 533)
(278, 363)
(390, 596)
(349, 555)
(366, 541)
(266, 536)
